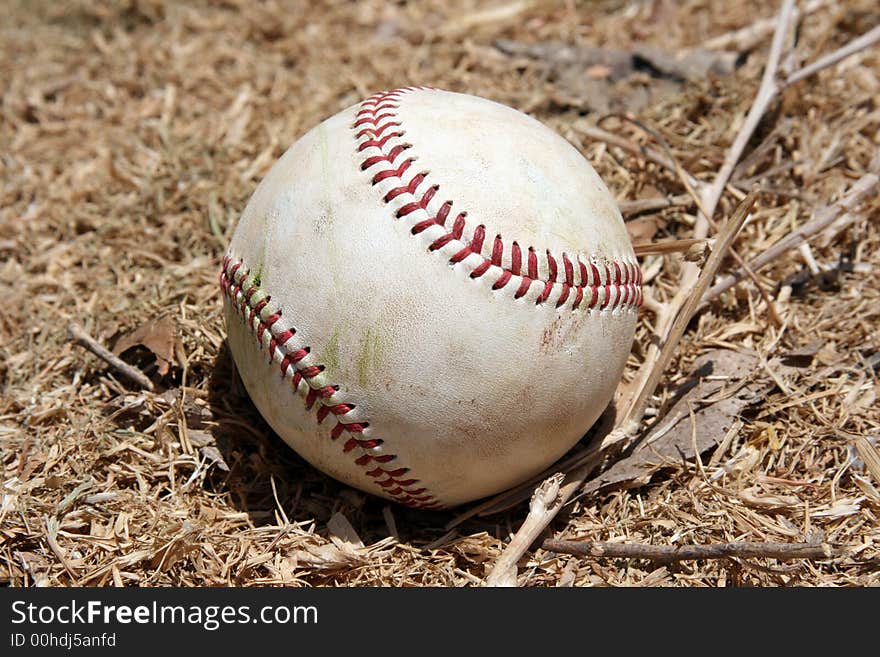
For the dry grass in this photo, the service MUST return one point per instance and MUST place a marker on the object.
(133, 134)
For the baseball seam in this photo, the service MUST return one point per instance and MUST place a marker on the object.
(296, 364)
(379, 134)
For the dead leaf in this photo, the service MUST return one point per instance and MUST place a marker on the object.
(671, 441)
(342, 532)
(606, 79)
(159, 336)
(643, 229)
(214, 456)
(198, 438)
(803, 356)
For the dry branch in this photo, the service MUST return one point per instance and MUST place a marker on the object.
(769, 89)
(766, 93)
(861, 43)
(630, 208)
(666, 247)
(748, 37)
(546, 497)
(672, 553)
(707, 198)
(79, 336)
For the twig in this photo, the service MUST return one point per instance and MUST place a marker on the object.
(546, 497)
(824, 217)
(867, 40)
(630, 208)
(671, 553)
(698, 191)
(666, 246)
(79, 336)
(711, 195)
(748, 37)
(766, 93)
(770, 88)
(706, 218)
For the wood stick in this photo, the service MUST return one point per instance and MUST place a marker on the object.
(666, 246)
(766, 93)
(705, 218)
(79, 336)
(867, 40)
(710, 196)
(630, 208)
(672, 553)
(546, 496)
(748, 37)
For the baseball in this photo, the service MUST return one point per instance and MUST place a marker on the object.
(431, 296)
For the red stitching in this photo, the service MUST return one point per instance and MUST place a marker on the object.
(376, 115)
(569, 270)
(233, 276)
(377, 132)
(515, 259)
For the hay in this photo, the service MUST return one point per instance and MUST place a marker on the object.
(133, 134)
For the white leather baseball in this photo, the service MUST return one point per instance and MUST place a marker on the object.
(431, 296)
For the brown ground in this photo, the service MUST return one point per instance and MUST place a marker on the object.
(133, 134)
